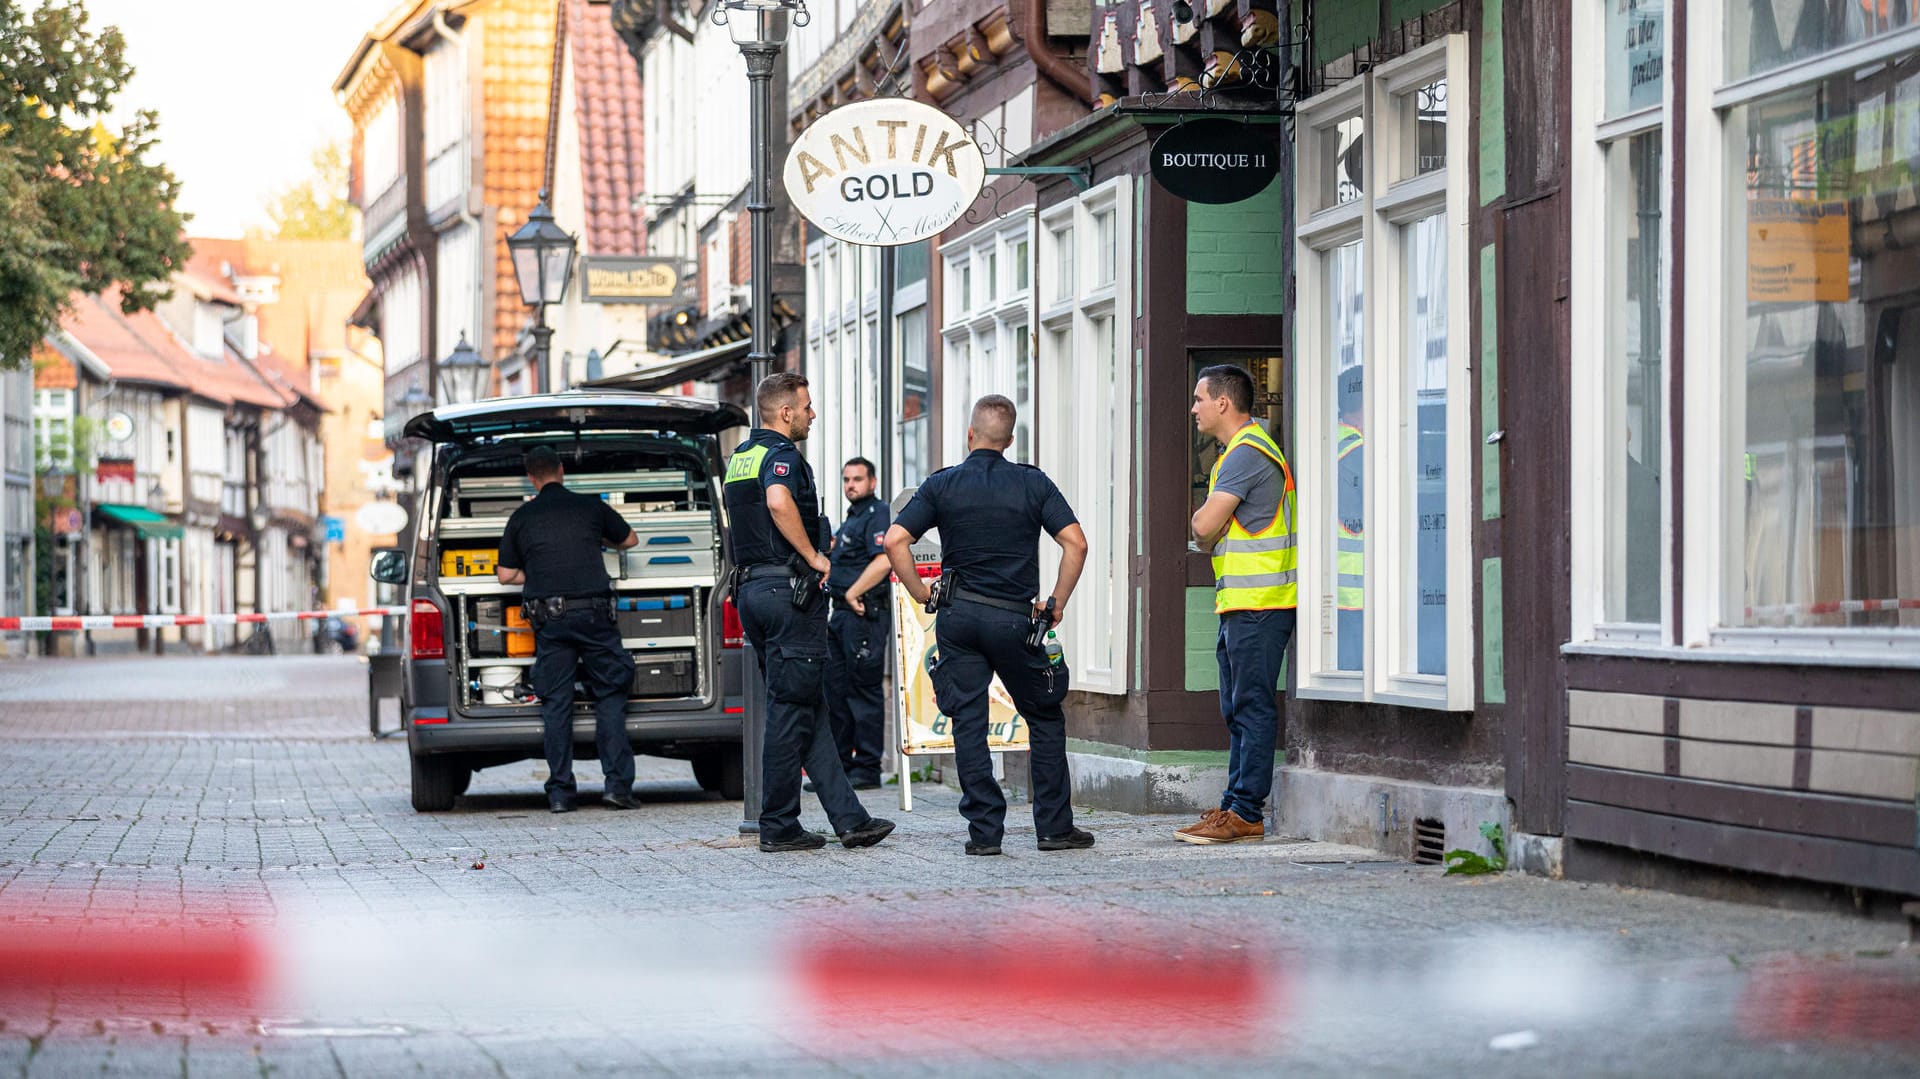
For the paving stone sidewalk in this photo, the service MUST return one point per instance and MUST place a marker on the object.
(155, 794)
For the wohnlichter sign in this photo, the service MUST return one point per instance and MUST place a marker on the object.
(884, 172)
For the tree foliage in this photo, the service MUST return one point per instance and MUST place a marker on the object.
(81, 207)
(316, 209)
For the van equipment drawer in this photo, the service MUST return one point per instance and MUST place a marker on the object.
(663, 674)
(642, 563)
(655, 616)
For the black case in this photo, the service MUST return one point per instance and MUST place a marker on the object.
(668, 622)
(663, 674)
(486, 642)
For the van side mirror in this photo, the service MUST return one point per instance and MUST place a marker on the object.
(389, 565)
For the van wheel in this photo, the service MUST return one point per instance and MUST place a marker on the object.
(437, 781)
(719, 771)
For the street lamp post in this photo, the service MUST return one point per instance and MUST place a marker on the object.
(759, 28)
(462, 374)
(542, 263)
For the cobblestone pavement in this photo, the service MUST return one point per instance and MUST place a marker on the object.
(226, 833)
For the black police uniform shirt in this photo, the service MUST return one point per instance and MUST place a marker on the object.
(861, 538)
(556, 538)
(772, 460)
(990, 512)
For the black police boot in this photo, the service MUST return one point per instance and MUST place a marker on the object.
(803, 841)
(982, 848)
(1078, 839)
(559, 802)
(618, 800)
(876, 829)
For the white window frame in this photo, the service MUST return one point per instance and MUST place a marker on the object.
(1377, 219)
(843, 360)
(1595, 429)
(986, 327)
(1092, 462)
(1712, 589)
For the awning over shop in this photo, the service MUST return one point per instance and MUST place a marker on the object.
(684, 368)
(148, 524)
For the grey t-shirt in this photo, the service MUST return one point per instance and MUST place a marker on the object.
(1253, 477)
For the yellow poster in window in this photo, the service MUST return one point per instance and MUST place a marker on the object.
(1796, 251)
(923, 727)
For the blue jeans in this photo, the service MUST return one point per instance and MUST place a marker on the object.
(1251, 647)
(791, 647)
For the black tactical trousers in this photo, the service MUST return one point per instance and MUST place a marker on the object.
(584, 641)
(856, 664)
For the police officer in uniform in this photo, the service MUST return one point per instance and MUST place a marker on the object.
(551, 548)
(773, 534)
(858, 629)
(990, 513)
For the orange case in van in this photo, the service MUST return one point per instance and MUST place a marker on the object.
(518, 644)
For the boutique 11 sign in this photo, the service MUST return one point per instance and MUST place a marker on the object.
(884, 172)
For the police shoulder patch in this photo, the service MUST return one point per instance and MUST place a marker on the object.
(781, 468)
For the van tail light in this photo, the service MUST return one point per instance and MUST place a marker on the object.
(732, 633)
(426, 632)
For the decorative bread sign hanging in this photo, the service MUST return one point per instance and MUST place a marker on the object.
(884, 172)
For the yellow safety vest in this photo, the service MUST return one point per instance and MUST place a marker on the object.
(1351, 566)
(1256, 571)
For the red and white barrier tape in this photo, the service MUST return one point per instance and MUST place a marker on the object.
(1841, 606)
(165, 621)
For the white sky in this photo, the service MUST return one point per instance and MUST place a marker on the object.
(244, 89)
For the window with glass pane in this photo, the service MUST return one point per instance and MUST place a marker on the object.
(966, 284)
(1022, 395)
(1424, 138)
(991, 291)
(1766, 34)
(1020, 267)
(1341, 165)
(1827, 478)
(1636, 374)
(916, 394)
(1425, 515)
(1063, 256)
(1636, 54)
(1106, 266)
(1346, 320)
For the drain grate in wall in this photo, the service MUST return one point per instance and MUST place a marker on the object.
(1429, 841)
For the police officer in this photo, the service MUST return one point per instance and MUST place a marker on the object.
(858, 629)
(990, 512)
(551, 548)
(773, 516)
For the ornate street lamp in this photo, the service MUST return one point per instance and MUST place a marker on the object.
(542, 263)
(414, 401)
(759, 28)
(463, 374)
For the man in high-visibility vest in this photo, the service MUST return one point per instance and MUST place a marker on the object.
(1247, 524)
(1350, 568)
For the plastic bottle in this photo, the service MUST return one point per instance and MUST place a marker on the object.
(1056, 655)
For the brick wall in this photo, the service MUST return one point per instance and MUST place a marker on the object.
(1236, 255)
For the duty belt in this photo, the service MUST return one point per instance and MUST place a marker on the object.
(763, 569)
(962, 592)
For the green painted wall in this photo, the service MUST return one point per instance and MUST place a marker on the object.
(1489, 385)
(1203, 634)
(1344, 25)
(1236, 255)
(1493, 102)
(1493, 633)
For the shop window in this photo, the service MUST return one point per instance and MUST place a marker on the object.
(1763, 35)
(1084, 417)
(985, 342)
(1619, 490)
(1381, 406)
(1824, 355)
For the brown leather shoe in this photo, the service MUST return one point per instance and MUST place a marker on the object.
(1224, 827)
(1205, 819)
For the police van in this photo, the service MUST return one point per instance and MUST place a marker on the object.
(465, 695)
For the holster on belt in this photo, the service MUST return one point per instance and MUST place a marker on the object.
(805, 582)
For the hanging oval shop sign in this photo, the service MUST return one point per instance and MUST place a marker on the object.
(1215, 160)
(884, 172)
